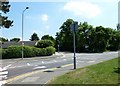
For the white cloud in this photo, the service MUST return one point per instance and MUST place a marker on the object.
(83, 8)
(44, 17)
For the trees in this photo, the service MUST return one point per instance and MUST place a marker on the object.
(15, 39)
(114, 42)
(88, 39)
(48, 37)
(83, 37)
(44, 43)
(64, 37)
(4, 21)
(3, 39)
(34, 37)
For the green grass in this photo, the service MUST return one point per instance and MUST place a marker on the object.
(102, 73)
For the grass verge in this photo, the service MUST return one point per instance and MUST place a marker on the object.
(106, 72)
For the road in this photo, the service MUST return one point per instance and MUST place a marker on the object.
(43, 69)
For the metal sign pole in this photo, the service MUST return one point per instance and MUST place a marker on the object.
(74, 27)
(74, 48)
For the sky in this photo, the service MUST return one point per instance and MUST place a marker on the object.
(46, 16)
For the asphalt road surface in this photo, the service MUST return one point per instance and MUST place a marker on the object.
(39, 70)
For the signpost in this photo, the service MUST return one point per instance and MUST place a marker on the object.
(74, 27)
(118, 26)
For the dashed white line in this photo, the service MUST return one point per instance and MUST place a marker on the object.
(91, 61)
(80, 61)
(40, 67)
(64, 59)
(42, 62)
(55, 61)
(28, 64)
(15, 67)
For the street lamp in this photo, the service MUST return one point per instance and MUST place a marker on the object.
(22, 29)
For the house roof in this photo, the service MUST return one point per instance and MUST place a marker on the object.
(7, 44)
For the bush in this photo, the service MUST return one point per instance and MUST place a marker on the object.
(41, 52)
(4, 54)
(29, 51)
(44, 43)
(50, 50)
(16, 52)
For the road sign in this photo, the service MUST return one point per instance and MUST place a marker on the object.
(118, 27)
(74, 26)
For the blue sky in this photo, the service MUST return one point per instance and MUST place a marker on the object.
(45, 17)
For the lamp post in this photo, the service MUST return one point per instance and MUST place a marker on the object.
(22, 29)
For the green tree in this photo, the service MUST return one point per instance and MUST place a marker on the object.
(65, 36)
(99, 39)
(44, 43)
(88, 39)
(48, 37)
(114, 42)
(15, 39)
(83, 37)
(4, 21)
(34, 37)
(3, 39)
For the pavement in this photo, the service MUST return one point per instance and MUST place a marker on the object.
(61, 63)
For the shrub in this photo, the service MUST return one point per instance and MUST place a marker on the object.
(16, 52)
(50, 50)
(44, 43)
(4, 54)
(42, 51)
(29, 51)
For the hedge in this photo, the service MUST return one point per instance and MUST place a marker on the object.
(16, 52)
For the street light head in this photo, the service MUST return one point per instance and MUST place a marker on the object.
(27, 7)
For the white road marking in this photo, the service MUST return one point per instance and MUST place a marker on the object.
(40, 67)
(36, 65)
(55, 61)
(91, 61)
(28, 64)
(2, 82)
(80, 61)
(5, 72)
(64, 59)
(15, 67)
(3, 76)
(4, 68)
(63, 55)
(43, 62)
